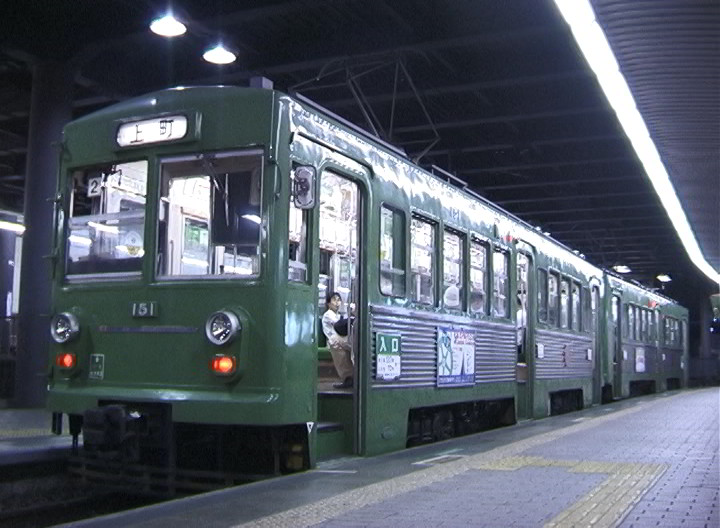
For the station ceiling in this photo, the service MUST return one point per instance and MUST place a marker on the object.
(496, 93)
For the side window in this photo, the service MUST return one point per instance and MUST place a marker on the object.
(626, 321)
(564, 303)
(553, 298)
(645, 318)
(478, 277)
(298, 236)
(575, 303)
(453, 268)
(631, 321)
(589, 308)
(392, 252)
(422, 261)
(501, 283)
(653, 325)
(542, 300)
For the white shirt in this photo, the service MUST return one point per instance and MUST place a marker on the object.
(329, 318)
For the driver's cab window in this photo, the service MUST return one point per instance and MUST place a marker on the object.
(210, 215)
(106, 224)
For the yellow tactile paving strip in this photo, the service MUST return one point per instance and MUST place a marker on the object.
(23, 433)
(607, 503)
(604, 506)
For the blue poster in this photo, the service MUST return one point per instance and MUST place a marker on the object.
(455, 357)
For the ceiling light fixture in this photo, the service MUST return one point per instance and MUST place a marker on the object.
(622, 268)
(168, 26)
(591, 40)
(664, 277)
(219, 55)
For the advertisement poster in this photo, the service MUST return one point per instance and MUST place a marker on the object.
(455, 357)
(639, 359)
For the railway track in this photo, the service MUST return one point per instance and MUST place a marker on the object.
(36, 495)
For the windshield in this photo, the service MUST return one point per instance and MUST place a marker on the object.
(209, 219)
(107, 219)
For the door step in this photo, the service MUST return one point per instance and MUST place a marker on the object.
(331, 440)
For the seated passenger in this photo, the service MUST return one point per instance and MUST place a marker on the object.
(338, 344)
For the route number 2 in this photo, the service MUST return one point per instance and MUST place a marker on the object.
(94, 186)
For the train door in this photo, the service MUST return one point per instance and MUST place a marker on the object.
(525, 339)
(340, 206)
(615, 344)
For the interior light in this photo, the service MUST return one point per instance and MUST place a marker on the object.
(80, 240)
(621, 268)
(12, 226)
(594, 45)
(219, 55)
(167, 26)
(104, 228)
(253, 218)
(664, 277)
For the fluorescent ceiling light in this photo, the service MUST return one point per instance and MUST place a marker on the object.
(80, 240)
(592, 42)
(167, 26)
(104, 228)
(664, 277)
(219, 55)
(622, 268)
(12, 226)
(253, 218)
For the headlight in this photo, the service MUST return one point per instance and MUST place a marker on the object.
(64, 327)
(222, 327)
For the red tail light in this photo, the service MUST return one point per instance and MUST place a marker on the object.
(66, 360)
(223, 365)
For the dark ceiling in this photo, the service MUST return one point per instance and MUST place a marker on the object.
(495, 92)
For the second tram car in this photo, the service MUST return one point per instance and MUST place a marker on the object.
(198, 233)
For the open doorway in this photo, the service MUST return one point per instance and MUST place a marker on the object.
(337, 300)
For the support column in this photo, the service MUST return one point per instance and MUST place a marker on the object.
(50, 110)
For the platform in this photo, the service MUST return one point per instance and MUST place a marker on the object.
(650, 461)
(25, 437)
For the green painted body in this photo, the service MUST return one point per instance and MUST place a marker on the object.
(277, 349)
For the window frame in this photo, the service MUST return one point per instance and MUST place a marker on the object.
(501, 249)
(434, 224)
(576, 309)
(401, 247)
(69, 203)
(462, 264)
(487, 246)
(264, 211)
(558, 277)
(567, 325)
(306, 217)
(543, 285)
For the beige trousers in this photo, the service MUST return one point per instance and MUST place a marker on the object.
(340, 351)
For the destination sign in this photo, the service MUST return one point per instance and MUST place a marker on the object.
(148, 131)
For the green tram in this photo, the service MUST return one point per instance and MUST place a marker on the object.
(198, 233)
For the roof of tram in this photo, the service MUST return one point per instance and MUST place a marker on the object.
(497, 93)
